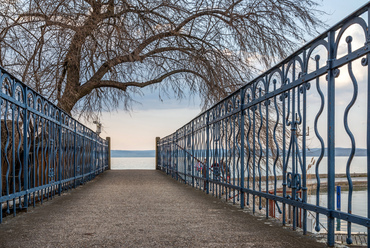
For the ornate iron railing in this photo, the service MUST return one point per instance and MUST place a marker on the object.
(43, 150)
(255, 146)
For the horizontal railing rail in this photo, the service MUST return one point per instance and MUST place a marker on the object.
(44, 151)
(304, 117)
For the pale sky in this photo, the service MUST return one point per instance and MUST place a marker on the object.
(155, 118)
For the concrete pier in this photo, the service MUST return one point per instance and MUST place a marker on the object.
(134, 208)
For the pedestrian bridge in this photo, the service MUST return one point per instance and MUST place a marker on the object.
(132, 208)
(254, 148)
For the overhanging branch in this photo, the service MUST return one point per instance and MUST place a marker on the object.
(91, 85)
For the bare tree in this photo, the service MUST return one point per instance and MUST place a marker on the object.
(90, 55)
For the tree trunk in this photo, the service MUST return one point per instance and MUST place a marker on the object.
(69, 99)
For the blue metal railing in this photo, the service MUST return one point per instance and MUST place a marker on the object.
(44, 151)
(256, 143)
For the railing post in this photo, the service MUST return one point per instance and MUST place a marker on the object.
(60, 155)
(305, 87)
(83, 154)
(184, 151)
(368, 131)
(304, 171)
(267, 103)
(25, 148)
(95, 155)
(241, 126)
(13, 106)
(207, 153)
(331, 139)
(75, 155)
(156, 152)
(109, 150)
(192, 152)
(177, 155)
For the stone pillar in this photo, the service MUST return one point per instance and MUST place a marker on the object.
(156, 152)
(109, 150)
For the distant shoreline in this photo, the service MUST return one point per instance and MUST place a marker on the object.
(313, 152)
(131, 157)
(132, 153)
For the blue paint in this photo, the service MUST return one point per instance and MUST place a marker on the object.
(39, 151)
(235, 133)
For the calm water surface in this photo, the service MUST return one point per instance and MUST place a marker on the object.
(133, 163)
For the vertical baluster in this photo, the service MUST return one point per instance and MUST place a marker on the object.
(91, 156)
(83, 154)
(222, 157)
(221, 161)
(53, 155)
(282, 98)
(249, 148)
(60, 155)
(197, 158)
(199, 148)
(75, 154)
(233, 152)
(19, 165)
(13, 107)
(331, 138)
(276, 144)
(176, 141)
(260, 150)
(34, 157)
(227, 149)
(207, 152)
(242, 168)
(293, 134)
(184, 141)
(216, 158)
(38, 152)
(25, 147)
(238, 147)
(227, 160)
(267, 103)
(305, 87)
(317, 227)
(192, 152)
(70, 155)
(368, 127)
(44, 147)
(47, 154)
(6, 153)
(30, 121)
(352, 138)
(254, 154)
(213, 156)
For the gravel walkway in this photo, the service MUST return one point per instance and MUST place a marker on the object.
(143, 209)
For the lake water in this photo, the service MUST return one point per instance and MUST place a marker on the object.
(359, 207)
(358, 165)
(148, 163)
(133, 163)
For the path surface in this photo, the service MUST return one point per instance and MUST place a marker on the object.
(142, 209)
